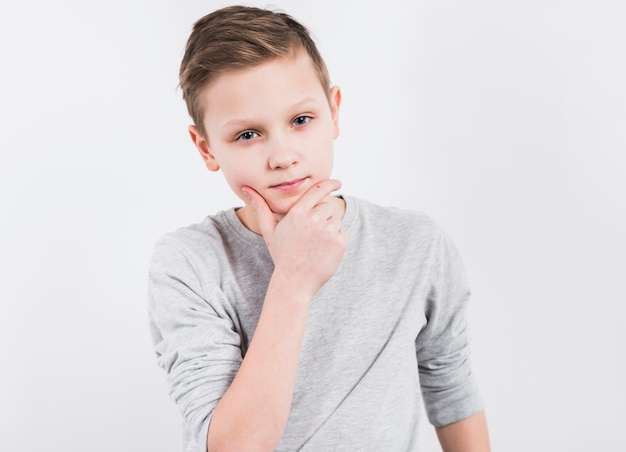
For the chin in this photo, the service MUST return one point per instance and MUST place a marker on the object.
(281, 209)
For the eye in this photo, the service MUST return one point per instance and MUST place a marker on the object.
(246, 136)
(301, 120)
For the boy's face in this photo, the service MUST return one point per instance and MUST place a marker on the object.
(270, 127)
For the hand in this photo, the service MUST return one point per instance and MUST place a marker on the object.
(307, 244)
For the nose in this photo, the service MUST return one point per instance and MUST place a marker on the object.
(282, 154)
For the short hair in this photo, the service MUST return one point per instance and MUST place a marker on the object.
(236, 38)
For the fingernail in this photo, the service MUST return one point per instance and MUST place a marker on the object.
(246, 194)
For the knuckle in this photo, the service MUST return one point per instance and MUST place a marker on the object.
(297, 208)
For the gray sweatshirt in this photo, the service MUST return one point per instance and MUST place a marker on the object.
(386, 335)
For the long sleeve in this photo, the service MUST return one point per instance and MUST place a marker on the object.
(193, 336)
(448, 385)
(390, 324)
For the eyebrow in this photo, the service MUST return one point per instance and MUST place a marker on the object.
(245, 122)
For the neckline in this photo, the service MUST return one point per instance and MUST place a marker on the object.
(234, 223)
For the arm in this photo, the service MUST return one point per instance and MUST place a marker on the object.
(468, 435)
(306, 246)
(255, 407)
(449, 388)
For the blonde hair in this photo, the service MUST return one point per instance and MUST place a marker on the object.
(236, 38)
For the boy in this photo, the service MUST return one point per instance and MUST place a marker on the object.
(302, 320)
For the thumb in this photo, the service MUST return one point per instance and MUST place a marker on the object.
(265, 218)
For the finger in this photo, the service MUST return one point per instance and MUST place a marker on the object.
(334, 222)
(330, 214)
(265, 217)
(330, 208)
(339, 208)
(325, 210)
(318, 192)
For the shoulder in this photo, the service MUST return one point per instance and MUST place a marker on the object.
(396, 223)
(202, 245)
(206, 233)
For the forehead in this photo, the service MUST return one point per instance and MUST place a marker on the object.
(267, 88)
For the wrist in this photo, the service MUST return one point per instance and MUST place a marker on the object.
(290, 289)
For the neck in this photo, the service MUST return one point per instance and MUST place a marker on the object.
(248, 217)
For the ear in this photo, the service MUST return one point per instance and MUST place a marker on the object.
(335, 102)
(203, 147)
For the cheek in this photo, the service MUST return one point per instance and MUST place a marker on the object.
(238, 175)
(237, 181)
(327, 161)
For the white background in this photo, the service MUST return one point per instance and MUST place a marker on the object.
(504, 120)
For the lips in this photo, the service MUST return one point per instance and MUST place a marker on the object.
(289, 185)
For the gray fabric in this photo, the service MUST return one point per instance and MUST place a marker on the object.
(392, 316)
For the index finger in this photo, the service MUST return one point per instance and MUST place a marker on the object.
(318, 192)
(265, 217)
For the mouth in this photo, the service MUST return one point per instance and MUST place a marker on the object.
(289, 185)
